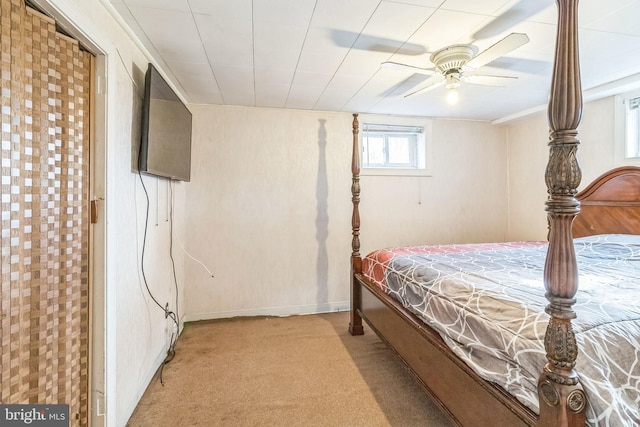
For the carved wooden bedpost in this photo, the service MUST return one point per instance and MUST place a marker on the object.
(355, 324)
(562, 400)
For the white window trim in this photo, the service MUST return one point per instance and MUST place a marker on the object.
(402, 121)
(620, 129)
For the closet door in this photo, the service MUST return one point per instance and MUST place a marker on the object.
(45, 100)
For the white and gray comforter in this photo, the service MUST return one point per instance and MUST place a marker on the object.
(487, 302)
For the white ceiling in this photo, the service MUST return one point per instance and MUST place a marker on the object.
(326, 54)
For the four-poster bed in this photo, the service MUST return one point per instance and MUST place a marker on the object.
(610, 205)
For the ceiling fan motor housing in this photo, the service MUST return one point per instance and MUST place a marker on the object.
(453, 57)
(452, 79)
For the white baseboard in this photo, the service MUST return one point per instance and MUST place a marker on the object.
(271, 311)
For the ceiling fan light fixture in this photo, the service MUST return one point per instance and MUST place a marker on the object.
(452, 96)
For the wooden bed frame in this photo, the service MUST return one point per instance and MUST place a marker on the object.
(609, 205)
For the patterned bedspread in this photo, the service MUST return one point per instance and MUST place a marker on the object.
(487, 302)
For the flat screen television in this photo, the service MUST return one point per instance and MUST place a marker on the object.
(165, 147)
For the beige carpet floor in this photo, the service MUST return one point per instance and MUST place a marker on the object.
(284, 371)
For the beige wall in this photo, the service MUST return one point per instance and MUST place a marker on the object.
(269, 206)
(268, 212)
(528, 155)
(463, 201)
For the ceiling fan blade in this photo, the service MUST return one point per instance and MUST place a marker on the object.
(501, 48)
(426, 88)
(481, 79)
(408, 68)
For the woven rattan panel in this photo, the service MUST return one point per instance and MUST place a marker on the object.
(44, 241)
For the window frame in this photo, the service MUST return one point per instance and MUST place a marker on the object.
(621, 130)
(423, 147)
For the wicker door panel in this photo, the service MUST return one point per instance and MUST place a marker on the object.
(44, 201)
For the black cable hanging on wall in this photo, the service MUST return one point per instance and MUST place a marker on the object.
(167, 313)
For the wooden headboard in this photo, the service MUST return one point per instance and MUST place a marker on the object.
(610, 204)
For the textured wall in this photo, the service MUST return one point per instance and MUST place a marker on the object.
(269, 206)
(528, 156)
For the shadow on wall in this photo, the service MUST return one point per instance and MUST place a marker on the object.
(322, 218)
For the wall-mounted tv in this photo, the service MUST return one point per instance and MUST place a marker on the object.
(165, 147)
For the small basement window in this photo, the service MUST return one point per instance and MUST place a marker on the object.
(394, 149)
(632, 134)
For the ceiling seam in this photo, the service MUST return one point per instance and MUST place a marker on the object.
(295, 71)
(345, 56)
(253, 51)
(206, 54)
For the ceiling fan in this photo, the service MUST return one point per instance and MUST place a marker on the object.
(458, 63)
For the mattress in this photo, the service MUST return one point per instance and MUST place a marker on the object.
(487, 303)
